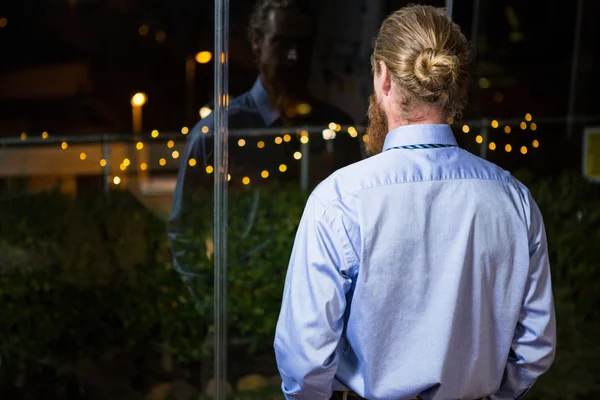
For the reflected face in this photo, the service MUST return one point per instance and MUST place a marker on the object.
(284, 52)
(378, 127)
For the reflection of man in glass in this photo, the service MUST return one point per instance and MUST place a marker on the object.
(282, 34)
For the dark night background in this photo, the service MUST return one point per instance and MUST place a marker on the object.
(524, 50)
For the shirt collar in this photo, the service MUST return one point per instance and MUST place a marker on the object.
(268, 112)
(419, 134)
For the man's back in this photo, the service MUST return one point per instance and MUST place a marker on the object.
(439, 251)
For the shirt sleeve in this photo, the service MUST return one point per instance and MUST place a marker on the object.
(183, 207)
(311, 321)
(534, 341)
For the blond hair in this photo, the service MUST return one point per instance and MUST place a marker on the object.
(426, 55)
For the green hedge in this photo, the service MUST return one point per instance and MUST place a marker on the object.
(82, 278)
(571, 210)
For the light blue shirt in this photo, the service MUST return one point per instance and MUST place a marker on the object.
(417, 272)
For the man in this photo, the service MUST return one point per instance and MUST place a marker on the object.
(421, 272)
(281, 33)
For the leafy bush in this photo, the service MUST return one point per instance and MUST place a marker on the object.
(81, 279)
(84, 278)
(571, 210)
(261, 230)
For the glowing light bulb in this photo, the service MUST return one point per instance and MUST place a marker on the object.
(303, 108)
(144, 30)
(205, 112)
(139, 99)
(203, 57)
(329, 134)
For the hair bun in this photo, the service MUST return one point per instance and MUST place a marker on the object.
(436, 70)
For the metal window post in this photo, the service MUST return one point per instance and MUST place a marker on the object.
(484, 134)
(305, 166)
(106, 170)
(574, 69)
(449, 7)
(221, 135)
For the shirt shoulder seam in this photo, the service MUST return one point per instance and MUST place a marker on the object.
(325, 205)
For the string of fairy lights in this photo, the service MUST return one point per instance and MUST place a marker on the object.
(527, 124)
(302, 135)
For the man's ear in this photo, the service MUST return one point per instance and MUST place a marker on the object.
(382, 79)
(256, 41)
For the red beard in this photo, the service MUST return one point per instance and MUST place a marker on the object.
(378, 127)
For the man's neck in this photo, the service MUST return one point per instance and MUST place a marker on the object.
(432, 118)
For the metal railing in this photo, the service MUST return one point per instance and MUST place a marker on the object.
(154, 143)
(103, 154)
